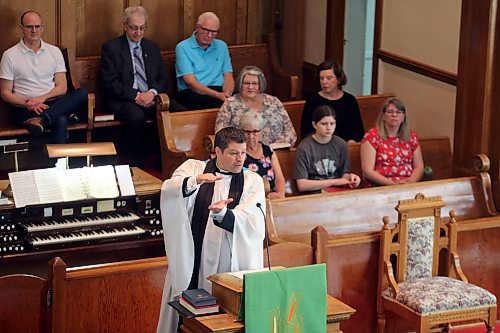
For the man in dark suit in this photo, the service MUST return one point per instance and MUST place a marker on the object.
(133, 73)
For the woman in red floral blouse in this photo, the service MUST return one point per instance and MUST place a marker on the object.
(390, 152)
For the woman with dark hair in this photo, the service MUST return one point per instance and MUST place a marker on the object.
(277, 127)
(349, 122)
(322, 159)
(390, 152)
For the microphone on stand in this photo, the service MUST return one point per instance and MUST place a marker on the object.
(266, 235)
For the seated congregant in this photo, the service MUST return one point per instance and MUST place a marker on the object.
(250, 86)
(390, 152)
(203, 66)
(349, 122)
(260, 157)
(133, 73)
(322, 159)
(33, 82)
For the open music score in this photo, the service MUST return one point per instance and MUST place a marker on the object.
(122, 221)
(51, 185)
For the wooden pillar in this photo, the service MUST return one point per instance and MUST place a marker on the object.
(334, 46)
(477, 117)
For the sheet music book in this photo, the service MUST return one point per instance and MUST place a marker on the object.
(43, 186)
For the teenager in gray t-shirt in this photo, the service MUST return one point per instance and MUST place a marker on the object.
(322, 159)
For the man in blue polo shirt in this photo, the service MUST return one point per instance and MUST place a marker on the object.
(203, 66)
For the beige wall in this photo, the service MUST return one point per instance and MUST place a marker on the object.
(315, 33)
(430, 103)
(426, 31)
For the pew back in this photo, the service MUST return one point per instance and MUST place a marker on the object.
(436, 151)
(361, 211)
(182, 133)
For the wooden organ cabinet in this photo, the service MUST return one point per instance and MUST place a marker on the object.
(83, 232)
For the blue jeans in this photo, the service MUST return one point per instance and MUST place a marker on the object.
(56, 116)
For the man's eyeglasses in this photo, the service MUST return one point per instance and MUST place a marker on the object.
(136, 28)
(395, 112)
(251, 132)
(207, 31)
(31, 26)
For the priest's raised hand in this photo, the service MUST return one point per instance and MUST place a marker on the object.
(207, 178)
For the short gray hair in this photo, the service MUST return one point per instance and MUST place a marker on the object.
(129, 11)
(252, 119)
(207, 15)
(255, 71)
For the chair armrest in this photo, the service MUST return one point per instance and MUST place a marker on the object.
(162, 102)
(457, 269)
(388, 271)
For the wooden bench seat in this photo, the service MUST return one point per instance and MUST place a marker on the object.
(182, 133)
(353, 220)
(85, 72)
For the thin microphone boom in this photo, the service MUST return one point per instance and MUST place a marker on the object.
(266, 235)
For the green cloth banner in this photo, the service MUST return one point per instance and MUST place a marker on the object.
(289, 300)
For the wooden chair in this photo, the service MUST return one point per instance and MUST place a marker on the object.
(30, 303)
(420, 278)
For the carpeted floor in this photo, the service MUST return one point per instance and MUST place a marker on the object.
(476, 329)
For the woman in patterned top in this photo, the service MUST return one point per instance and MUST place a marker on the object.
(260, 157)
(390, 152)
(250, 85)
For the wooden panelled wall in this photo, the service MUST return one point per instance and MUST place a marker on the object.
(87, 24)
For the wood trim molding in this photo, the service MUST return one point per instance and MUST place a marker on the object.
(417, 67)
(377, 38)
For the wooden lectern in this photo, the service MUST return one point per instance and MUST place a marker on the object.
(228, 288)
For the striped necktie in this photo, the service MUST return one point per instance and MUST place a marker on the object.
(140, 73)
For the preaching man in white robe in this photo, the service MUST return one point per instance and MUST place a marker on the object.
(211, 221)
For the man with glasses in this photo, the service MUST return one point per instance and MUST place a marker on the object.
(203, 66)
(133, 73)
(33, 82)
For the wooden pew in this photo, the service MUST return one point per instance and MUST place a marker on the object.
(181, 134)
(126, 296)
(85, 72)
(353, 220)
(436, 151)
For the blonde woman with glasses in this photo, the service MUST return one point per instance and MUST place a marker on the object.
(390, 152)
(277, 128)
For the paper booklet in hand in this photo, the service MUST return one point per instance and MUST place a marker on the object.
(52, 185)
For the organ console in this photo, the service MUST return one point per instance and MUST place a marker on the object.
(74, 229)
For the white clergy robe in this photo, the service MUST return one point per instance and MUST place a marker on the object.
(245, 242)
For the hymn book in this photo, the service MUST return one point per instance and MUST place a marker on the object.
(51, 185)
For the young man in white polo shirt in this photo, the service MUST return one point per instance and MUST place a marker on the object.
(33, 82)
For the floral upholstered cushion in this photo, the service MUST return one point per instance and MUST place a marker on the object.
(420, 246)
(437, 294)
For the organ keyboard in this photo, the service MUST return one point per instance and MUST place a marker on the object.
(132, 221)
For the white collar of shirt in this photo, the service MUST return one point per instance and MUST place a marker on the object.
(26, 49)
(132, 45)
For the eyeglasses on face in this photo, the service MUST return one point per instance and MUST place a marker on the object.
(255, 84)
(136, 28)
(207, 31)
(32, 26)
(395, 112)
(248, 132)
